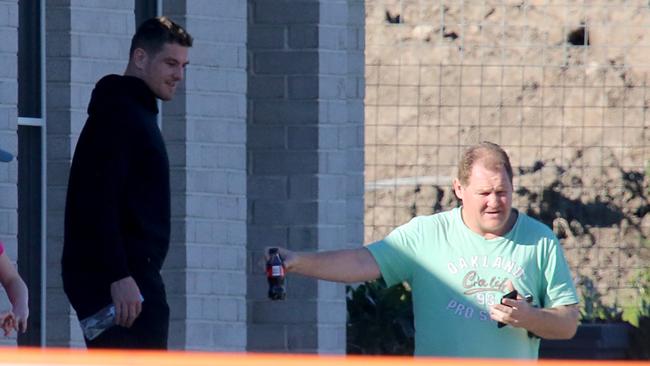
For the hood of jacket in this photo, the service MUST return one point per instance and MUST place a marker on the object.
(111, 90)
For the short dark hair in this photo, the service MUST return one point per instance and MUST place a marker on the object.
(493, 155)
(154, 33)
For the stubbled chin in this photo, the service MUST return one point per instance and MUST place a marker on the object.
(169, 94)
(164, 97)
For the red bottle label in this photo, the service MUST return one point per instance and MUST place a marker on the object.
(275, 271)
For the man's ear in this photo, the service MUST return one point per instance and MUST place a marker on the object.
(139, 58)
(458, 189)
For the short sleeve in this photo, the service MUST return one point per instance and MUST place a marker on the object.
(396, 253)
(560, 289)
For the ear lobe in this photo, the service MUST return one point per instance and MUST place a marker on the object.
(458, 189)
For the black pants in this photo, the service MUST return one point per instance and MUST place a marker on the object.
(150, 329)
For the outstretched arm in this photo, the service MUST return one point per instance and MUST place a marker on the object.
(348, 265)
(17, 292)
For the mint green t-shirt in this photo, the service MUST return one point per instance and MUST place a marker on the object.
(456, 275)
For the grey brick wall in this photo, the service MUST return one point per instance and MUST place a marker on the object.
(352, 135)
(205, 130)
(8, 137)
(84, 41)
(341, 63)
(305, 161)
(294, 120)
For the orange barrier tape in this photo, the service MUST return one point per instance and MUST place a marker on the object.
(51, 356)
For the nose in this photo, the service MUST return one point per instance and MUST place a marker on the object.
(493, 200)
(178, 74)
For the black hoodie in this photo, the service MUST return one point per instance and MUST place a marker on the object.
(117, 215)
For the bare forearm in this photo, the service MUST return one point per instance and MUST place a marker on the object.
(556, 323)
(17, 293)
(347, 266)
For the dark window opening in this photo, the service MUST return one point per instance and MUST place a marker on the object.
(145, 9)
(29, 59)
(29, 227)
(30, 163)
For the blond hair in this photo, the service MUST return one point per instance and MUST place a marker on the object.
(490, 154)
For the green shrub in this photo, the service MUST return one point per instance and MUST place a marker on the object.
(380, 319)
(640, 337)
(592, 308)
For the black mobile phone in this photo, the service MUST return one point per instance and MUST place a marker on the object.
(510, 295)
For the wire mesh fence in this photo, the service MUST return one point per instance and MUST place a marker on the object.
(561, 85)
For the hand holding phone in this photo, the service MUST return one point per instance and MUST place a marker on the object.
(510, 295)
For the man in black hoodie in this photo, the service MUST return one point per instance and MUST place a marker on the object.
(117, 215)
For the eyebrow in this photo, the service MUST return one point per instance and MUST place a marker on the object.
(490, 189)
(177, 61)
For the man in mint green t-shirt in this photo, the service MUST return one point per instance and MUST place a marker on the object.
(461, 262)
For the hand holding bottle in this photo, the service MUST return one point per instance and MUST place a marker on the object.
(127, 300)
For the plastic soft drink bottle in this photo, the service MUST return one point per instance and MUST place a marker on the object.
(275, 275)
(99, 322)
